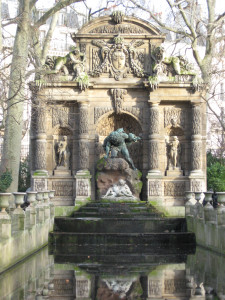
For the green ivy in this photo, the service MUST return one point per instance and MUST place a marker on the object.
(215, 173)
(5, 181)
(24, 175)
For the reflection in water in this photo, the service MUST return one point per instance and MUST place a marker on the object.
(199, 276)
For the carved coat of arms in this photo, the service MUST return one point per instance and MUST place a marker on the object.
(118, 58)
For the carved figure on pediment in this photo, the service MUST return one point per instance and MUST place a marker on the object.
(117, 141)
(72, 63)
(118, 58)
(165, 68)
(63, 153)
(118, 16)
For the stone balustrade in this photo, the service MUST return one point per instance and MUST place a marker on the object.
(24, 226)
(206, 220)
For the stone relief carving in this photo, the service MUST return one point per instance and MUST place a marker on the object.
(118, 98)
(83, 120)
(63, 153)
(196, 150)
(39, 184)
(172, 285)
(154, 188)
(118, 58)
(154, 120)
(41, 120)
(119, 28)
(196, 186)
(82, 187)
(136, 111)
(63, 188)
(173, 152)
(155, 287)
(82, 288)
(40, 155)
(153, 155)
(174, 188)
(61, 116)
(83, 155)
(174, 116)
(196, 120)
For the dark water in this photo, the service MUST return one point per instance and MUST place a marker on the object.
(110, 276)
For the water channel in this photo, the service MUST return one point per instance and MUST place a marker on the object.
(164, 275)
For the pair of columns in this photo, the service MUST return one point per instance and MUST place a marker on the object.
(196, 139)
(39, 135)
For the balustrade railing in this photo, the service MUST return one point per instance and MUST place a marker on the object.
(208, 210)
(18, 215)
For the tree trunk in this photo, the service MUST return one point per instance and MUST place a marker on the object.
(14, 118)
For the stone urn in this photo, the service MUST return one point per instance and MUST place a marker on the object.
(221, 198)
(51, 194)
(46, 197)
(31, 197)
(19, 198)
(39, 197)
(4, 201)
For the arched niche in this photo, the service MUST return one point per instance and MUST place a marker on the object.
(111, 122)
(59, 133)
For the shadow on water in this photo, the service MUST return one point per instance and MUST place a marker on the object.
(119, 273)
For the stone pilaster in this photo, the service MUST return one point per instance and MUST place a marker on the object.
(154, 138)
(196, 174)
(83, 182)
(39, 178)
(154, 177)
(83, 136)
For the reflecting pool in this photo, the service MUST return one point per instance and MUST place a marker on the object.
(133, 275)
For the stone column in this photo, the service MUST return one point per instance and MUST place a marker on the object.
(154, 177)
(154, 138)
(83, 184)
(196, 174)
(39, 178)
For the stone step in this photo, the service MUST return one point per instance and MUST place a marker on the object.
(119, 225)
(151, 239)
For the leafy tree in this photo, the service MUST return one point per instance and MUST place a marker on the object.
(26, 45)
(215, 173)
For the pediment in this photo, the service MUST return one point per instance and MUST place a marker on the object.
(130, 26)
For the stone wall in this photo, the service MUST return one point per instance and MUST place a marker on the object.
(207, 223)
(24, 231)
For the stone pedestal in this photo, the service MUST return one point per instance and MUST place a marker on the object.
(18, 217)
(155, 188)
(110, 171)
(83, 187)
(176, 172)
(5, 226)
(39, 181)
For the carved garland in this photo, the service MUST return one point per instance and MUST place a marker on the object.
(196, 155)
(153, 155)
(118, 98)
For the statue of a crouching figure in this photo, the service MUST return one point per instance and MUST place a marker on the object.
(117, 141)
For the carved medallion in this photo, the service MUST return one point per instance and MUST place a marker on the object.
(118, 58)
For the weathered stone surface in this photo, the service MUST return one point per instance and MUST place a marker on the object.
(111, 170)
